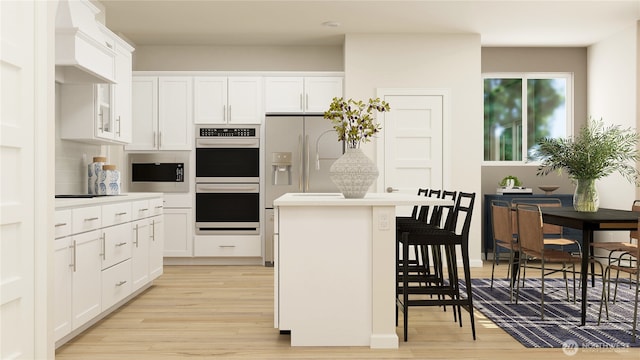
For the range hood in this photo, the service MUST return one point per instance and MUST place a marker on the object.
(83, 54)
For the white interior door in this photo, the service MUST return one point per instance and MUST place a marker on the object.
(17, 237)
(412, 154)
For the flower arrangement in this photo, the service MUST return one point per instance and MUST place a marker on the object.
(353, 120)
(596, 152)
(505, 181)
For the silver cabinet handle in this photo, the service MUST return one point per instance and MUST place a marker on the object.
(91, 219)
(155, 137)
(136, 230)
(118, 121)
(108, 45)
(159, 207)
(121, 213)
(306, 102)
(101, 127)
(390, 189)
(226, 246)
(121, 244)
(229, 113)
(159, 139)
(60, 224)
(73, 265)
(153, 230)
(301, 103)
(120, 283)
(104, 246)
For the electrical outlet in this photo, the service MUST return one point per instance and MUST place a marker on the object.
(383, 221)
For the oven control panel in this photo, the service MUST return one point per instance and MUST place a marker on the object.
(227, 132)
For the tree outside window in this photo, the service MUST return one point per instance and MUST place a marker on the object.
(510, 132)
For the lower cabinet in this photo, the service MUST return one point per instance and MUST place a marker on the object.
(86, 298)
(97, 268)
(116, 284)
(156, 246)
(63, 272)
(178, 232)
(140, 254)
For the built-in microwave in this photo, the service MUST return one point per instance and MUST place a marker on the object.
(159, 172)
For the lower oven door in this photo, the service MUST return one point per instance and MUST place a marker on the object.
(227, 209)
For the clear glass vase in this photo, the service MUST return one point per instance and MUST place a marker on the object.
(585, 198)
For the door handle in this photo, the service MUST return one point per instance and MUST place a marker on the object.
(390, 189)
(306, 170)
(300, 151)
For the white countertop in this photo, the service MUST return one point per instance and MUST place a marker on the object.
(370, 199)
(62, 203)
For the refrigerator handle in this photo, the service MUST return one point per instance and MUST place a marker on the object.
(300, 166)
(306, 170)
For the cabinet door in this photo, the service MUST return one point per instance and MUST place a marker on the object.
(104, 118)
(156, 246)
(86, 286)
(178, 232)
(210, 100)
(62, 274)
(122, 95)
(140, 254)
(144, 113)
(283, 94)
(320, 91)
(245, 100)
(175, 113)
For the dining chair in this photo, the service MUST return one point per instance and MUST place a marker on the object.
(454, 233)
(553, 234)
(616, 246)
(502, 223)
(627, 262)
(532, 247)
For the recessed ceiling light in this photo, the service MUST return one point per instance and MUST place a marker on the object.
(331, 24)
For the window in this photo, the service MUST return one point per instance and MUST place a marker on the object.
(520, 109)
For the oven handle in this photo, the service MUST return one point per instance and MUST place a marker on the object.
(300, 166)
(306, 170)
(226, 142)
(227, 188)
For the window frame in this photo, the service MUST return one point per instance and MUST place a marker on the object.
(524, 77)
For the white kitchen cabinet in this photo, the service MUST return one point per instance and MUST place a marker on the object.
(228, 100)
(162, 110)
(298, 94)
(116, 284)
(102, 255)
(178, 232)
(122, 120)
(63, 272)
(100, 113)
(86, 279)
(140, 254)
(156, 246)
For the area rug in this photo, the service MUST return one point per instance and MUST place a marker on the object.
(561, 325)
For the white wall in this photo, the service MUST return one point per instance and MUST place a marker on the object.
(238, 58)
(428, 61)
(612, 96)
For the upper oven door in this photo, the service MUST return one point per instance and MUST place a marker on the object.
(227, 160)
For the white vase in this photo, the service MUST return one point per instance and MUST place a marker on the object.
(353, 173)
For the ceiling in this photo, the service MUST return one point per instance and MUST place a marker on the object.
(299, 23)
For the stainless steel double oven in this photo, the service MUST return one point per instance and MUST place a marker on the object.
(227, 180)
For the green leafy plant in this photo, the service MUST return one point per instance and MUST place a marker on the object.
(516, 181)
(353, 120)
(596, 152)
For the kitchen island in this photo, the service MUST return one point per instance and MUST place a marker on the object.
(334, 281)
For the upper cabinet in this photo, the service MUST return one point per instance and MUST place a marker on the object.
(100, 113)
(228, 100)
(311, 94)
(162, 112)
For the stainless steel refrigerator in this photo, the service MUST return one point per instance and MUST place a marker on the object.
(299, 151)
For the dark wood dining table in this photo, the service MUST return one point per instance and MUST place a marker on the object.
(588, 222)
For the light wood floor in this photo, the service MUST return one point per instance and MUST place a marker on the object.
(226, 312)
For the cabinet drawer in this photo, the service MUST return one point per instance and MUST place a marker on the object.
(113, 214)
(116, 244)
(228, 246)
(156, 206)
(140, 209)
(86, 218)
(62, 220)
(116, 284)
